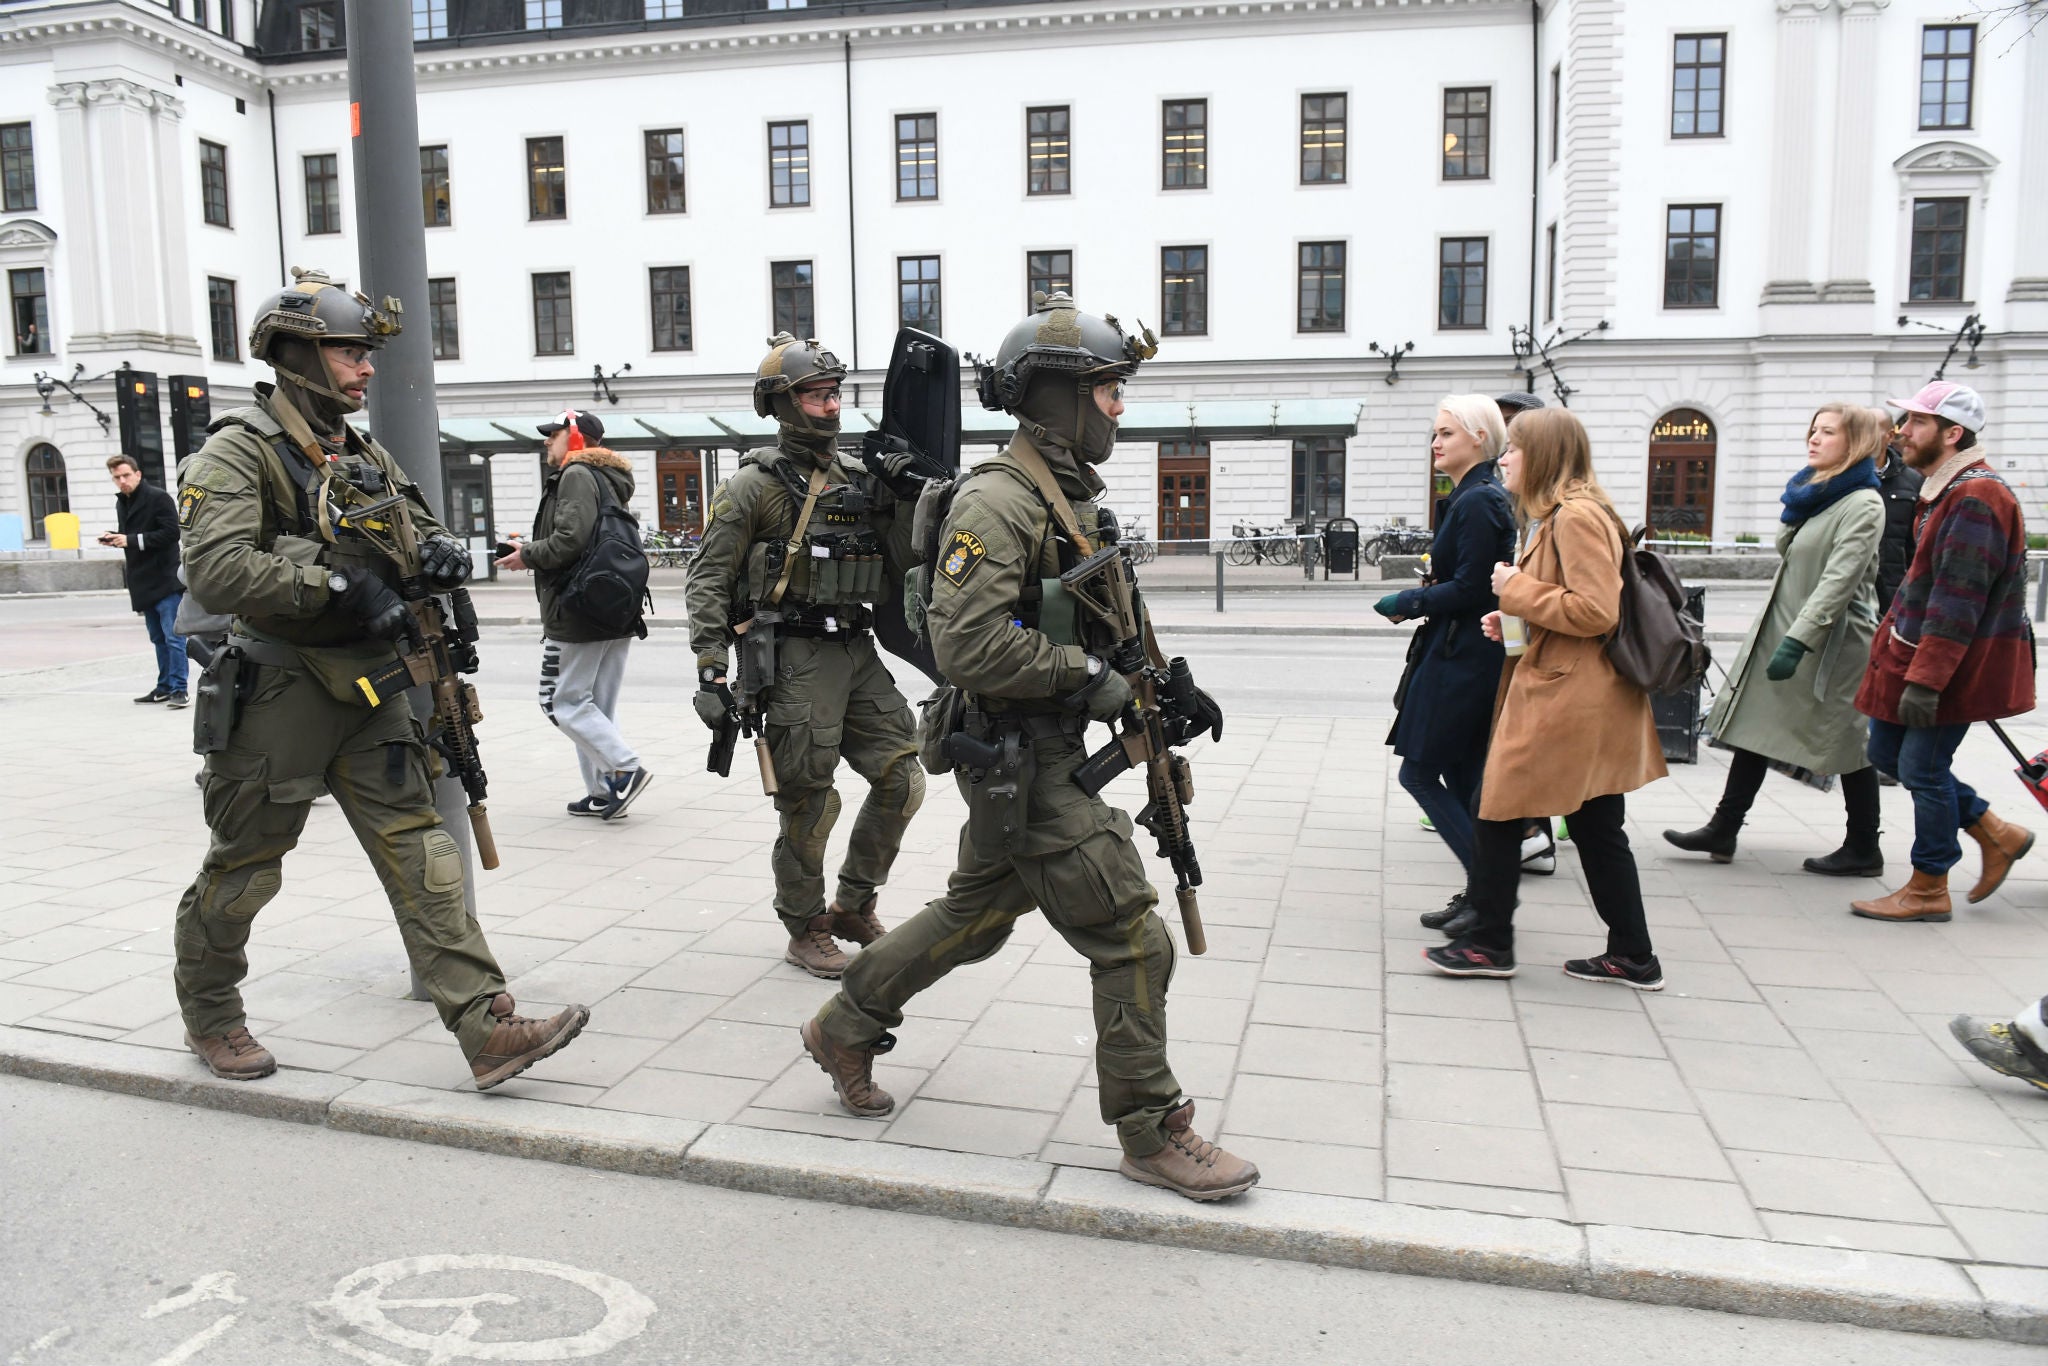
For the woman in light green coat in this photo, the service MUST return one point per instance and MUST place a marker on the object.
(1790, 698)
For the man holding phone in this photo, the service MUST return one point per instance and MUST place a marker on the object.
(147, 537)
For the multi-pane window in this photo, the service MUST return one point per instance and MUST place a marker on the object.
(429, 19)
(1941, 230)
(665, 171)
(1318, 484)
(547, 179)
(29, 305)
(789, 164)
(1184, 291)
(1047, 158)
(1947, 58)
(1322, 139)
(554, 322)
(320, 26)
(543, 13)
(1550, 272)
(1556, 111)
(222, 318)
(1322, 287)
(1698, 66)
(668, 290)
(213, 182)
(442, 321)
(1047, 272)
(664, 9)
(917, 156)
(917, 292)
(17, 168)
(323, 194)
(434, 196)
(1692, 256)
(1184, 144)
(1461, 282)
(789, 287)
(49, 490)
(1468, 133)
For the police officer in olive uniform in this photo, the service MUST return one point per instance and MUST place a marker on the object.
(280, 718)
(1033, 672)
(799, 533)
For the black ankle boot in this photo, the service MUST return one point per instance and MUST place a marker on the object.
(1461, 924)
(1849, 861)
(1455, 907)
(1716, 839)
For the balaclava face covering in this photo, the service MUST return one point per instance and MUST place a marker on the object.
(309, 386)
(801, 434)
(1064, 407)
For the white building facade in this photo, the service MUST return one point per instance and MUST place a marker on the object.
(1748, 194)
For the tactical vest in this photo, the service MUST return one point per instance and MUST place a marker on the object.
(838, 562)
(1043, 603)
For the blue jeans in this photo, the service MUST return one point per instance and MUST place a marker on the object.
(1445, 793)
(1943, 804)
(170, 646)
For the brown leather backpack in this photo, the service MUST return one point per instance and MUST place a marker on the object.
(1654, 644)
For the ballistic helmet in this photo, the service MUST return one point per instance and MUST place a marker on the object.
(316, 308)
(790, 362)
(1046, 369)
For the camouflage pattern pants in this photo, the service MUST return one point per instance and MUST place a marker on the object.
(1077, 863)
(834, 699)
(293, 741)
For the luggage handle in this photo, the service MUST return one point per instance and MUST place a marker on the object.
(2033, 772)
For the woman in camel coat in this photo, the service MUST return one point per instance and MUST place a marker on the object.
(1570, 735)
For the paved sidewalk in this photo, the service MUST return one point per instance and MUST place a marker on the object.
(1794, 1084)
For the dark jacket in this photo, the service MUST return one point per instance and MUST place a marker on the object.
(1959, 624)
(1448, 693)
(149, 519)
(1899, 485)
(562, 530)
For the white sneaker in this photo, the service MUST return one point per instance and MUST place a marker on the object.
(1539, 853)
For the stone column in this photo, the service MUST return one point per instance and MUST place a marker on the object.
(1856, 86)
(2030, 253)
(1790, 258)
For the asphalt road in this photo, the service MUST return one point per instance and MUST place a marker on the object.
(139, 1232)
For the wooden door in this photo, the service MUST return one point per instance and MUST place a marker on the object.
(680, 476)
(1682, 449)
(1183, 495)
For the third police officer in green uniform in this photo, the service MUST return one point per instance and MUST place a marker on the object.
(798, 542)
(1033, 675)
(281, 717)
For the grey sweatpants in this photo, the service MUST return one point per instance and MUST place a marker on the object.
(579, 692)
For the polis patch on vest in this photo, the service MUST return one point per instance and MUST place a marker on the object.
(963, 553)
(188, 503)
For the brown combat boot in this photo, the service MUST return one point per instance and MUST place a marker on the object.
(234, 1055)
(862, 927)
(1189, 1164)
(814, 951)
(517, 1042)
(852, 1071)
(2002, 844)
(1924, 897)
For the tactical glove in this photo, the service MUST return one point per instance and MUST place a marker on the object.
(1105, 694)
(1193, 715)
(1918, 705)
(445, 563)
(713, 700)
(1785, 660)
(357, 592)
(902, 470)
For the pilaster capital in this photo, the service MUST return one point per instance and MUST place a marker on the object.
(1802, 9)
(1864, 9)
(115, 91)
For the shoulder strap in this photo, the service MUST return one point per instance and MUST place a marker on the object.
(1033, 464)
(803, 520)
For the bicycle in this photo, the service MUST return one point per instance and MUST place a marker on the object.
(1143, 549)
(1258, 545)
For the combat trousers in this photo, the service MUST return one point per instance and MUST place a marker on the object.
(1076, 862)
(292, 741)
(834, 698)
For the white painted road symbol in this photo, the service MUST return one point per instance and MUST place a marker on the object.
(357, 1310)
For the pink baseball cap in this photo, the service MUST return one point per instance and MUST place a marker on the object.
(1952, 402)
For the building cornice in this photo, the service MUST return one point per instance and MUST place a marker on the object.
(56, 26)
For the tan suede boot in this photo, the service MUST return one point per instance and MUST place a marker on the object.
(852, 1071)
(235, 1055)
(862, 927)
(814, 951)
(1924, 897)
(2002, 844)
(1189, 1164)
(519, 1042)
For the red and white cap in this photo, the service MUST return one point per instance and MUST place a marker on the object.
(1955, 403)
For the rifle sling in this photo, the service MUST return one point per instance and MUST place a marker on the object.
(1028, 456)
(796, 537)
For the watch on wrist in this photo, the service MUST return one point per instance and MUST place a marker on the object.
(1094, 666)
(337, 582)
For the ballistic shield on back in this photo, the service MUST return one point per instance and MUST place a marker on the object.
(921, 399)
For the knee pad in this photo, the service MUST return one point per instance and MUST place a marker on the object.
(811, 823)
(904, 785)
(237, 896)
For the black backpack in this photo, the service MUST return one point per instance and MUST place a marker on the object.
(608, 583)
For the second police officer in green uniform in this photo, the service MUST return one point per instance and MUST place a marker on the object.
(1033, 674)
(802, 536)
(315, 608)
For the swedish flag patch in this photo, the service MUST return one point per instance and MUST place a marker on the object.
(962, 553)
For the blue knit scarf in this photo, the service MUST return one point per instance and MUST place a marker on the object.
(1803, 498)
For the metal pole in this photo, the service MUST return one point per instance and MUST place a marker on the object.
(391, 239)
(1219, 580)
(2040, 568)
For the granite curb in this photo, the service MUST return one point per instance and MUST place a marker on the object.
(1734, 1275)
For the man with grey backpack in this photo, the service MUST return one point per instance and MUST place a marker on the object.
(589, 611)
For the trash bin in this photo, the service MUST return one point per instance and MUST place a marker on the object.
(1340, 547)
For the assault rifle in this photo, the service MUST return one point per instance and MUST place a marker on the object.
(1105, 585)
(440, 646)
(755, 649)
